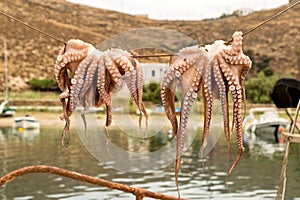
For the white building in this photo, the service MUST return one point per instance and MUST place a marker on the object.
(243, 11)
(153, 72)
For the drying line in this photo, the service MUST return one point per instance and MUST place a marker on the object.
(32, 27)
(155, 55)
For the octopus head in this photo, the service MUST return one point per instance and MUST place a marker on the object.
(75, 51)
(75, 45)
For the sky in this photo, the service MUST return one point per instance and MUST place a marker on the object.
(181, 9)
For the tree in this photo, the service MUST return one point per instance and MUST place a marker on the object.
(151, 92)
(45, 84)
(258, 89)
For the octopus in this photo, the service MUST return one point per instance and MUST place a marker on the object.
(214, 71)
(88, 77)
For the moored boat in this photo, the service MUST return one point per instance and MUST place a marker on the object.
(265, 123)
(5, 110)
(26, 122)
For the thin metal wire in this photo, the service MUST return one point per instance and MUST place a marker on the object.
(271, 18)
(32, 27)
(157, 55)
(152, 56)
(267, 20)
(244, 34)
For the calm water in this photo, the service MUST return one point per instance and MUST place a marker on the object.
(256, 176)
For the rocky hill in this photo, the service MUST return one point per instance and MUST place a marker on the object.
(32, 55)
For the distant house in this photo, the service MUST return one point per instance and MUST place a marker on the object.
(153, 72)
(243, 11)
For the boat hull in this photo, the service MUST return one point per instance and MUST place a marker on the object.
(26, 123)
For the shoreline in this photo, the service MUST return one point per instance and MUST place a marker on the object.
(49, 115)
(45, 118)
(51, 118)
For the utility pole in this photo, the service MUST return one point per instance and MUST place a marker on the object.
(6, 71)
(297, 53)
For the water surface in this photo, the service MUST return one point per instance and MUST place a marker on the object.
(256, 176)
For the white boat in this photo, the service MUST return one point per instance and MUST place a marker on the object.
(265, 123)
(26, 122)
(5, 110)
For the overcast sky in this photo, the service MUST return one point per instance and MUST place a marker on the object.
(181, 9)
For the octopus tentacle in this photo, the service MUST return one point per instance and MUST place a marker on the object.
(78, 81)
(86, 96)
(188, 99)
(87, 76)
(88, 100)
(103, 87)
(65, 96)
(236, 64)
(179, 65)
(247, 65)
(65, 116)
(108, 78)
(66, 57)
(62, 64)
(137, 90)
(139, 82)
(133, 88)
(237, 116)
(79, 88)
(221, 69)
(63, 82)
(130, 68)
(130, 77)
(235, 89)
(167, 93)
(112, 69)
(222, 95)
(87, 93)
(207, 97)
(190, 90)
(139, 85)
(201, 62)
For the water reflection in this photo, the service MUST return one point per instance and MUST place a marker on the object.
(256, 176)
(26, 134)
(127, 149)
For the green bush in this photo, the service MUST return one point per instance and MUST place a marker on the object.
(258, 89)
(264, 64)
(151, 92)
(260, 65)
(45, 84)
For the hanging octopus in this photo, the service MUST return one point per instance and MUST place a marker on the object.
(87, 76)
(214, 71)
